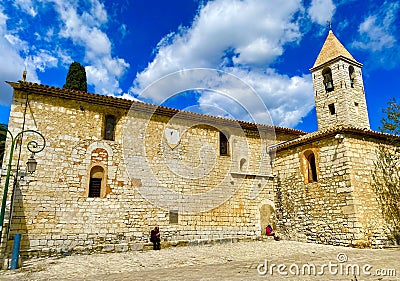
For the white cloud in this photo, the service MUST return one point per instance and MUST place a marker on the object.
(123, 30)
(17, 43)
(9, 56)
(103, 70)
(287, 99)
(82, 27)
(27, 6)
(224, 26)
(64, 57)
(375, 32)
(376, 35)
(42, 60)
(242, 38)
(321, 11)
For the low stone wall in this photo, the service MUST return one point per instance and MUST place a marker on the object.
(126, 247)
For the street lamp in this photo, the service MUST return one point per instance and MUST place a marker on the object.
(31, 164)
(33, 147)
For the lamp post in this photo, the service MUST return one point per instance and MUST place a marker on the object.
(33, 147)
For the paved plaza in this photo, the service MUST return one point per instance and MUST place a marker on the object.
(255, 260)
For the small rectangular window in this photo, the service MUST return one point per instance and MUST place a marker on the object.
(332, 109)
(173, 216)
(356, 106)
(109, 127)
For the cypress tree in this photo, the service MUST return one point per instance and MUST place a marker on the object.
(3, 136)
(76, 78)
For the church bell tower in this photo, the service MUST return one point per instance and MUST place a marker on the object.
(338, 87)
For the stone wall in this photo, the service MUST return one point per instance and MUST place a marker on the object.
(146, 177)
(340, 208)
(362, 153)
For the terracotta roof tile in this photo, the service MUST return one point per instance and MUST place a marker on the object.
(146, 107)
(333, 131)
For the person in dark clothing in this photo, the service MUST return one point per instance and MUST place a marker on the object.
(155, 238)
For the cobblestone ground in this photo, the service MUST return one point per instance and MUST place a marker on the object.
(234, 261)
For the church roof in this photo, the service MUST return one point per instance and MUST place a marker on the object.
(126, 104)
(333, 131)
(332, 49)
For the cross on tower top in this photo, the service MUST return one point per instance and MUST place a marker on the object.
(329, 22)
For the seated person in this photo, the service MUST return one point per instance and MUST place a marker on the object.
(269, 231)
(155, 238)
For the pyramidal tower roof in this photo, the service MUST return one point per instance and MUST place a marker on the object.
(331, 49)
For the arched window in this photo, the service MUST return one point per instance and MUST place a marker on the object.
(223, 144)
(312, 168)
(109, 127)
(332, 109)
(352, 75)
(242, 164)
(96, 182)
(309, 166)
(328, 81)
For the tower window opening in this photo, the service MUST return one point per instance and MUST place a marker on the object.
(356, 106)
(352, 76)
(328, 81)
(332, 109)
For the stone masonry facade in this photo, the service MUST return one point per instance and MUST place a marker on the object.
(145, 178)
(339, 207)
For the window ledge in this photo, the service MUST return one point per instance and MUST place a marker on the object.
(252, 174)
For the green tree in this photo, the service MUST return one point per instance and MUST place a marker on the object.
(391, 120)
(3, 136)
(386, 176)
(76, 77)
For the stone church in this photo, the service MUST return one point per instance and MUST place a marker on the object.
(112, 169)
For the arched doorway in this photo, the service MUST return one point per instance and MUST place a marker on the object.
(267, 216)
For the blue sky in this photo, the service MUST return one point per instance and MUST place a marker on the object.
(127, 45)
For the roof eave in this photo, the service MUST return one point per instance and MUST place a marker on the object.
(314, 68)
(334, 131)
(140, 106)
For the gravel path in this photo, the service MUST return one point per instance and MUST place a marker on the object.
(233, 261)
